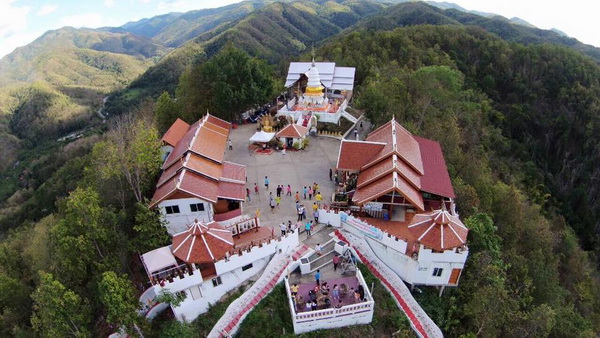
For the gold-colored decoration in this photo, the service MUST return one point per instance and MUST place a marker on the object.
(267, 123)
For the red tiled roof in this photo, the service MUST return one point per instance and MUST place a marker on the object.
(436, 179)
(375, 172)
(234, 172)
(170, 173)
(175, 132)
(199, 186)
(232, 191)
(293, 130)
(203, 166)
(219, 122)
(386, 184)
(439, 230)
(182, 146)
(216, 128)
(210, 144)
(406, 147)
(202, 243)
(163, 191)
(355, 154)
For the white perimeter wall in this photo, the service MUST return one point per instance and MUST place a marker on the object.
(178, 222)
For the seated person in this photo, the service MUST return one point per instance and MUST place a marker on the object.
(325, 288)
(327, 303)
(339, 304)
(313, 305)
(312, 295)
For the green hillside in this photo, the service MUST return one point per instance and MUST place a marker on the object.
(515, 108)
(279, 31)
(417, 13)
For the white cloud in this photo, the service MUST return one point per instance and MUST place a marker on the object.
(89, 20)
(46, 9)
(109, 3)
(145, 1)
(13, 24)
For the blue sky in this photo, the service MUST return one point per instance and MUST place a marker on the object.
(22, 21)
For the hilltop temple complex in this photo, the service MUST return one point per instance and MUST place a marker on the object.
(392, 209)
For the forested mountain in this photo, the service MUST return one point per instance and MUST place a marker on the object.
(416, 13)
(70, 56)
(516, 109)
(275, 32)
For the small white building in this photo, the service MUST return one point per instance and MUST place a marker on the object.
(291, 134)
(205, 262)
(196, 182)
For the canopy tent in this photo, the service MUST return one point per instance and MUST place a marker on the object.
(439, 230)
(202, 243)
(262, 136)
(158, 259)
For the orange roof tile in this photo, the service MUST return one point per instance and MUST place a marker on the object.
(386, 184)
(354, 154)
(216, 128)
(182, 146)
(199, 186)
(293, 130)
(175, 132)
(234, 172)
(170, 173)
(375, 172)
(232, 191)
(439, 230)
(403, 144)
(436, 179)
(202, 243)
(219, 122)
(210, 143)
(203, 166)
(164, 191)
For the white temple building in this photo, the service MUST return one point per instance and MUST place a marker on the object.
(318, 88)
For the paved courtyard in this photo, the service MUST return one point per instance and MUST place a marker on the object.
(296, 168)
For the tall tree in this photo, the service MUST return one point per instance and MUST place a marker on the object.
(58, 311)
(150, 229)
(118, 297)
(82, 238)
(227, 84)
(131, 151)
(166, 111)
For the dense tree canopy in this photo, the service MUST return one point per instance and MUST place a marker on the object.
(226, 85)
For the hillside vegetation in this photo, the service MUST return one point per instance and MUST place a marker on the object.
(517, 118)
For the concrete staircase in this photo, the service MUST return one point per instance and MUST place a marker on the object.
(419, 320)
(237, 311)
(349, 116)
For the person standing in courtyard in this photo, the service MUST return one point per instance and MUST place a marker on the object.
(283, 228)
(256, 188)
(230, 144)
(248, 194)
(267, 182)
(283, 152)
(316, 216)
(318, 277)
(279, 188)
(330, 174)
(277, 201)
(289, 190)
(272, 204)
(304, 191)
(297, 197)
(299, 211)
(310, 193)
(319, 198)
(356, 134)
(307, 228)
(336, 262)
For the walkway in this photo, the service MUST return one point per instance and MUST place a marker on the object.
(419, 320)
(237, 311)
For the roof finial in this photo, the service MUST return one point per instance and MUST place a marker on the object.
(313, 54)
